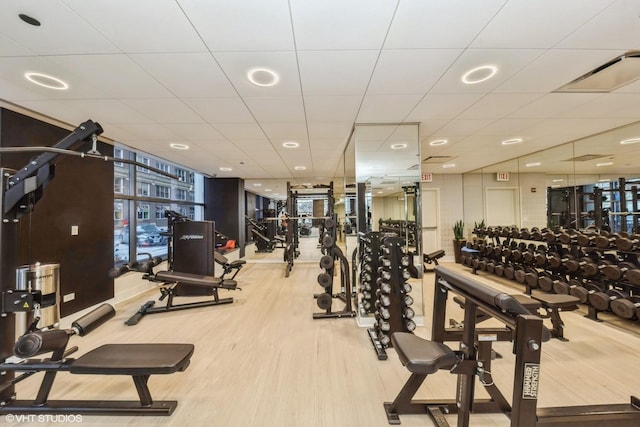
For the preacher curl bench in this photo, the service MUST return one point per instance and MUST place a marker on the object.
(138, 360)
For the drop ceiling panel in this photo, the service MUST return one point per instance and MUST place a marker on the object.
(507, 128)
(552, 104)
(411, 71)
(141, 26)
(424, 24)
(336, 72)
(496, 106)
(117, 76)
(241, 131)
(166, 110)
(387, 108)
(276, 109)
(442, 106)
(331, 108)
(217, 147)
(606, 106)
(527, 23)
(249, 145)
(195, 131)
(12, 47)
(59, 32)
(508, 61)
(236, 65)
(189, 75)
(317, 26)
(242, 25)
(282, 132)
(616, 27)
(554, 69)
(337, 129)
(220, 110)
(464, 127)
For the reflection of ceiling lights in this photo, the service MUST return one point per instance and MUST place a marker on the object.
(275, 194)
(290, 144)
(257, 184)
(47, 81)
(604, 164)
(267, 189)
(438, 142)
(300, 168)
(177, 146)
(224, 169)
(630, 141)
(398, 146)
(379, 192)
(558, 180)
(512, 141)
(604, 180)
(533, 165)
(263, 77)
(479, 74)
(449, 165)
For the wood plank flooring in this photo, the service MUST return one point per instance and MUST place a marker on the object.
(263, 361)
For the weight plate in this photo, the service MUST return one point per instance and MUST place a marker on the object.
(329, 223)
(580, 293)
(545, 283)
(325, 280)
(326, 262)
(561, 288)
(327, 241)
(623, 308)
(600, 301)
(324, 301)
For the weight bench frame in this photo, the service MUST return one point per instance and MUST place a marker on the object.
(174, 283)
(432, 258)
(177, 361)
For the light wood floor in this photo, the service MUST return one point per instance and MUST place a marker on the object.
(263, 361)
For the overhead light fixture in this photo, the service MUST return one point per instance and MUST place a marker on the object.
(275, 194)
(290, 144)
(558, 180)
(616, 73)
(300, 168)
(263, 77)
(179, 146)
(604, 180)
(449, 165)
(479, 74)
(630, 141)
(400, 146)
(46, 80)
(267, 189)
(225, 169)
(257, 184)
(512, 141)
(532, 165)
(380, 192)
(437, 142)
(604, 164)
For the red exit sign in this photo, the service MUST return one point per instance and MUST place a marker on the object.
(502, 176)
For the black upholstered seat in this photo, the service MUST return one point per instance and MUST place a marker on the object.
(188, 278)
(134, 359)
(422, 356)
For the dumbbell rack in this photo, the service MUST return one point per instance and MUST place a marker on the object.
(601, 269)
(393, 304)
(370, 244)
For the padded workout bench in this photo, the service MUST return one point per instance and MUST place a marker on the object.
(140, 361)
(184, 284)
(432, 258)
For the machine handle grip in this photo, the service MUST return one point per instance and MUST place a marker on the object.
(90, 321)
(38, 342)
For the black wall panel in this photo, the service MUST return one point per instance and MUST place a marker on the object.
(81, 194)
(224, 200)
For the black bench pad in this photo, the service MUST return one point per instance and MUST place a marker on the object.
(188, 278)
(422, 356)
(134, 359)
(557, 300)
(433, 255)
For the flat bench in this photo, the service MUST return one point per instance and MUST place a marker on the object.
(432, 258)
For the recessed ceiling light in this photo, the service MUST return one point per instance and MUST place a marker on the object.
(179, 146)
(512, 141)
(534, 164)
(47, 81)
(449, 165)
(29, 20)
(263, 77)
(479, 74)
(398, 146)
(275, 194)
(604, 180)
(558, 180)
(257, 184)
(290, 144)
(604, 164)
(224, 169)
(630, 141)
(300, 168)
(438, 142)
(380, 192)
(267, 189)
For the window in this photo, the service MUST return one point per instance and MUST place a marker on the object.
(144, 189)
(119, 185)
(118, 153)
(163, 191)
(144, 161)
(143, 212)
(181, 194)
(118, 210)
(181, 174)
(163, 167)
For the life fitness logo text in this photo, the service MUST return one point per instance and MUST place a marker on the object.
(191, 237)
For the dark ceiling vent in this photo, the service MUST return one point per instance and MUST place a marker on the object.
(437, 159)
(587, 157)
(413, 168)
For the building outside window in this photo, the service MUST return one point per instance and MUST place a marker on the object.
(163, 192)
(143, 189)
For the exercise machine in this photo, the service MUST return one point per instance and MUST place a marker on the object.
(140, 361)
(425, 357)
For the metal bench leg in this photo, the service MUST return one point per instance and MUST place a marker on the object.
(143, 390)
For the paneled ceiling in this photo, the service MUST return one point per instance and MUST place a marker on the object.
(156, 72)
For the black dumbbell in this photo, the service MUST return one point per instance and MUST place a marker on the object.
(627, 308)
(601, 301)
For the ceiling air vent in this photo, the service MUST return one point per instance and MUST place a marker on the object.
(587, 157)
(616, 73)
(437, 159)
(413, 168)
